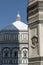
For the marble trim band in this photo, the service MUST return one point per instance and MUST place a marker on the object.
(36, 59)
(36, 22)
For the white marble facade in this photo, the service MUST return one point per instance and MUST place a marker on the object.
(14, 43)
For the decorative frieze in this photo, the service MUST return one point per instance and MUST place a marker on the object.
(21, 37)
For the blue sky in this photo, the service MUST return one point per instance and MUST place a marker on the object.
(9, 10)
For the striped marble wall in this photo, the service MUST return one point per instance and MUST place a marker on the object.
(34, 10)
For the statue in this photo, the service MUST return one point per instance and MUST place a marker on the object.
(34, 42)
(34, 46)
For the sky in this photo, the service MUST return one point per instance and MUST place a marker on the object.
(9, 10)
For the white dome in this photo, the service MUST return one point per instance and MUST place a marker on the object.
(17, 25)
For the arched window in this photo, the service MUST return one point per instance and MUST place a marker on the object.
(24, 52)
(6, 52)
(15, 52)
